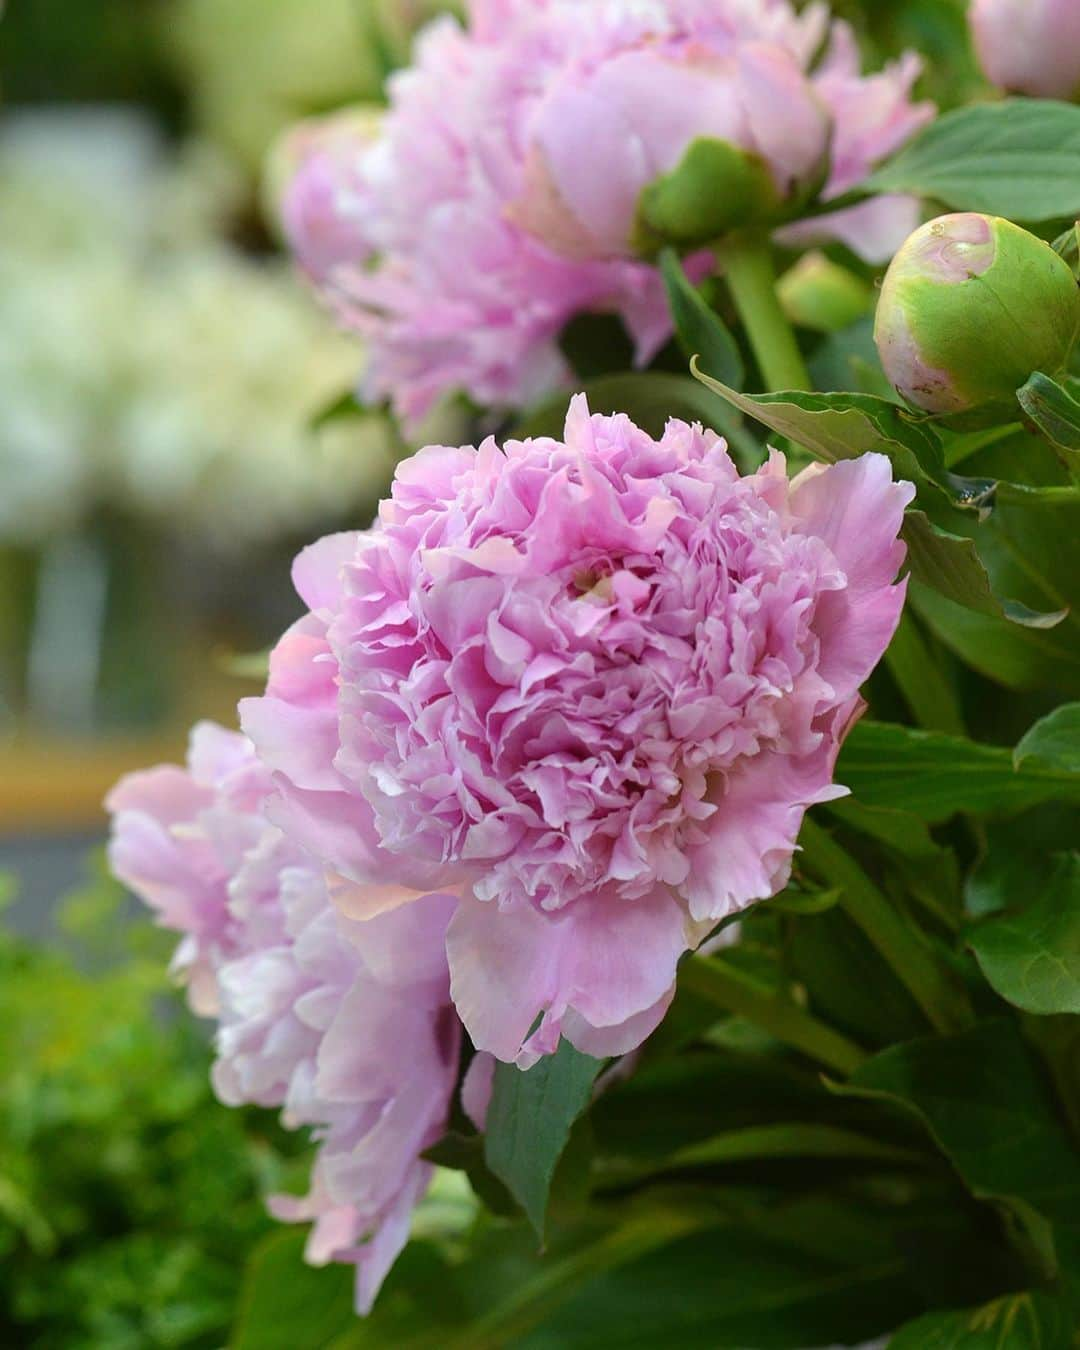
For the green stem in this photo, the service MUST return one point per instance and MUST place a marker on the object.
(919, 678)
(748, 266)
(944, 1002)
(727, 987)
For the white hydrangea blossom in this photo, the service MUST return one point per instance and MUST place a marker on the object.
(146, 364)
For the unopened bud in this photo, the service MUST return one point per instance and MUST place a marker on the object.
(969, 308)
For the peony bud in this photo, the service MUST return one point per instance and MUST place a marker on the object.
(822, 295)
(970, 307)
(316, 192)
(719, 142)
(1029, 46)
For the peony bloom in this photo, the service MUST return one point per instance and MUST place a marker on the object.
(346, 1026)
(506, 190)
(316, 180)
(591, 687)
(1029, 46)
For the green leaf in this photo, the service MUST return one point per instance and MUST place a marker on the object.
(1018, 1322)
(1019, 159)
(949, 564)
(1052, 743)
(1032, 956)
(1018, 858)
(934, 776)
(283, 1301)
(529, 1122)
(833, 427)
(700, 330)
(1030, 547)
(985, 1102)
(1056, 414)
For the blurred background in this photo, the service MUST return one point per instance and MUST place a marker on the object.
(171, 431)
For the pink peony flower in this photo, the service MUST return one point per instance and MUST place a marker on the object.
(591, 686)
(324, 209)
(502, 194)
(347, 1026)
(1029, 46)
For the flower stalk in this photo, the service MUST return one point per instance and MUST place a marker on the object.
(751, 278)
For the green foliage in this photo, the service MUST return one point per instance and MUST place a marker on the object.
(843, 426)
(700, 330)
(1055, 413)
(1032, 955)
(529, 1123)
(1019, 1322)
(934, 776)
(1019, 159)
(128, 1196)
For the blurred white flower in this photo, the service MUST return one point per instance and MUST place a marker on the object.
(231, 366)
(146, 363)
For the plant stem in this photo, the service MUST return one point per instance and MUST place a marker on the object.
(726, 986)
(918, 676)
(748, 266)
(943, 1001)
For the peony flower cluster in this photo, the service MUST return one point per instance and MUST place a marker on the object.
(504, 193)
(348, 1027)
(554, 716)
(589, 687)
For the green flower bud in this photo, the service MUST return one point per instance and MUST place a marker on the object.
(970, 307)
(822, 295)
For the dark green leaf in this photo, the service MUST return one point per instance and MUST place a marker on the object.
(1018, 1322)
(983, 1099)
(700, 330)
(950, 566)
(529, 1122)
(1032, 955)
(1052, 743)
(1030, 547)
(1056, 414)
(1019, 159)
(1019, 856)
(934, 776)
(286, 1302)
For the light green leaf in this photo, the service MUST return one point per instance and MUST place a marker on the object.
(1032, 955)
(1019, 159)
(833, 427)
(1052, 743)
(529, 1122)
(1056, 414)
(1018, 1322)
(949, 564)
(700, 330)
(934, 776)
